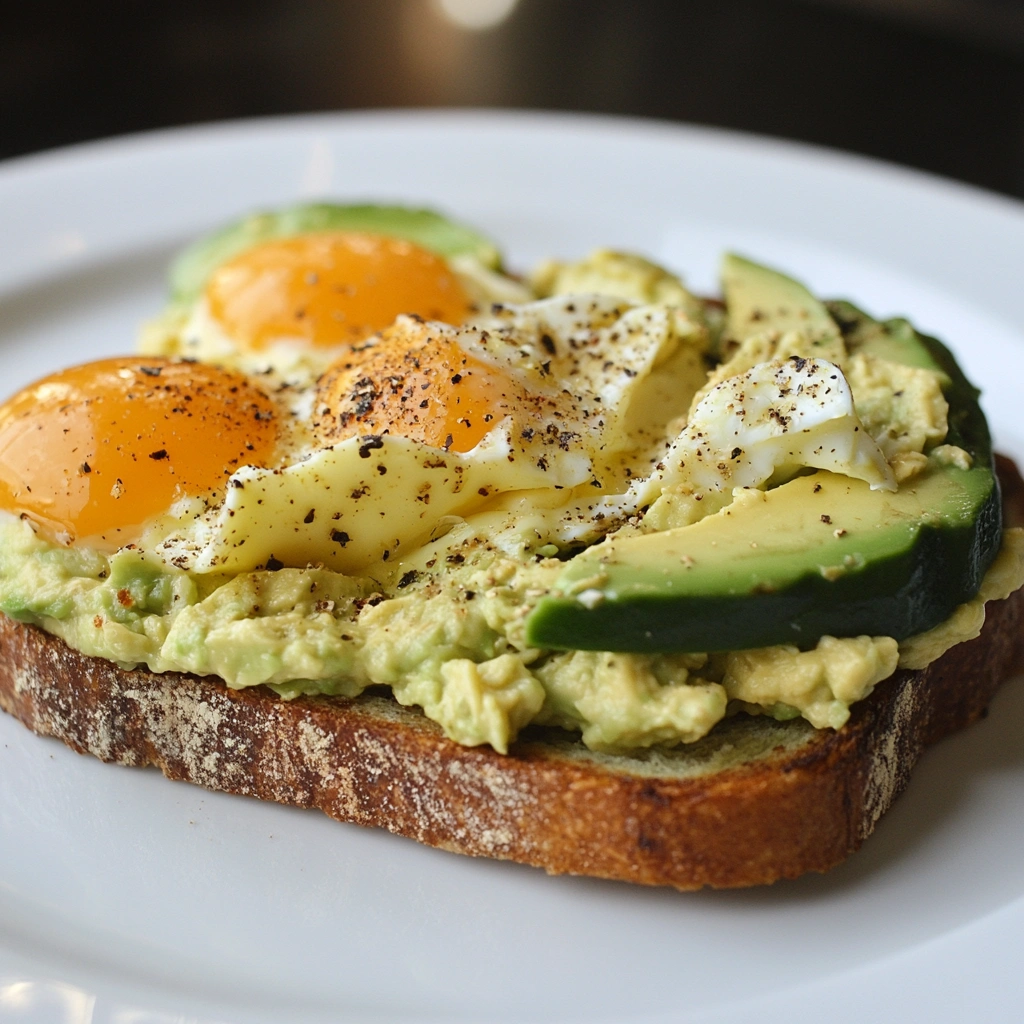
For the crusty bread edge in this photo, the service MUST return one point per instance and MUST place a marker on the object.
(801, 807)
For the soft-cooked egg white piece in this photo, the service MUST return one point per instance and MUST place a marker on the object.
(773, 420)
(428, 422)
(779, 416)
(611, 345)
(292, 305)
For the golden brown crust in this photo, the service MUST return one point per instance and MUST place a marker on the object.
(797, 800)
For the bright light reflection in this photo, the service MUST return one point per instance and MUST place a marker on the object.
(49, 1000)
(16, 996)
(476, 15)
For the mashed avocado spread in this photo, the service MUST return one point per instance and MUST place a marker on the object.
(446, 626)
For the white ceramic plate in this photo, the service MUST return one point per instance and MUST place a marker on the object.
(127, 899)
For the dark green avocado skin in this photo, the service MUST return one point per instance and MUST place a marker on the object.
(912, 579)
(433, 231)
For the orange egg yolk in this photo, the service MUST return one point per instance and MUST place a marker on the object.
(416, 383)
(95, 451)
(330, 288)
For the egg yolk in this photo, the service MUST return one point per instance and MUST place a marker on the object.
(96, 450)
(416, 383)
(329, 288)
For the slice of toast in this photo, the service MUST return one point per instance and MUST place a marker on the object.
(755, 801)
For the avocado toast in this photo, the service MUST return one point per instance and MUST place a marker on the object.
(733, 605)
(755, 801)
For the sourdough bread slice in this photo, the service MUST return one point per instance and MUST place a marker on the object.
(755, 801)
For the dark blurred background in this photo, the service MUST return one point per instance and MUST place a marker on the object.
(936, 84)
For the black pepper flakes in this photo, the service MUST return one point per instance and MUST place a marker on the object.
(369, 443)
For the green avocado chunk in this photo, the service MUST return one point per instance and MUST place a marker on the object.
(819, 555)
(758, 298)
(191, 270)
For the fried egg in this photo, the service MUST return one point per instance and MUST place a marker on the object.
(290, 305)
(94, 453)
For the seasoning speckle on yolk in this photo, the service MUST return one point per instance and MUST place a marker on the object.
(329, 289)
(414, 382)
(96, 450)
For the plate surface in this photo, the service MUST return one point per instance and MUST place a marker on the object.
(127, 899)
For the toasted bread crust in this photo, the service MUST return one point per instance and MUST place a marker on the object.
(802, 801)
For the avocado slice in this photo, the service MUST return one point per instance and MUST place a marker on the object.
(758, 298)
(895, 339)
(819, 555)
(193, 267)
